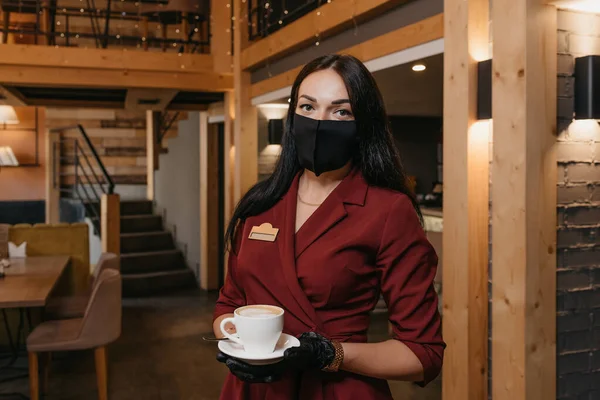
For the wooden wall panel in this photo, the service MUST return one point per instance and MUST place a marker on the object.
(466, 203)
(524, 201)
(220, 42)
(246, 117)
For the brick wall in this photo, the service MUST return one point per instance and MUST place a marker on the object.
(578, 235)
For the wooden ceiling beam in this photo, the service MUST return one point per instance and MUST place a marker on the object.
(107, 78)
(106, 59)
(327, 20)
(424, 31)
(62, 103)
(12, 97)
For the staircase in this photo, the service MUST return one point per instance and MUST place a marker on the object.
(150, 262)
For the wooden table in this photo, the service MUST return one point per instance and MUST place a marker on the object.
(29, 281)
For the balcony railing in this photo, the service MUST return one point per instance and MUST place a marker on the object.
(177, 26)
(267, 16)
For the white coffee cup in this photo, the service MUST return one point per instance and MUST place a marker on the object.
(258, 328)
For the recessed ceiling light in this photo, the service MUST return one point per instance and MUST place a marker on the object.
(418, 67)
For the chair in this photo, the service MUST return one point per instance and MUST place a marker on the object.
(66, 307)
(100, 326)
(59, 239)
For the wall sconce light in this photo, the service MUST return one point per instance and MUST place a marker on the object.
(7, 157)
(591, 6)
(587, 87)
(8, 116)
(275, 131)
(484, 89)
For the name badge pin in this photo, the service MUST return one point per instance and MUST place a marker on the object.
(264, 232)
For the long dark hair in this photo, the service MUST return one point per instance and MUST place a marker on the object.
(377, 158)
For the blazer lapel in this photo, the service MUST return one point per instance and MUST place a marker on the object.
(305, 311)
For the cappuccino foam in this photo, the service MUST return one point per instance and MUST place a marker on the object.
(258, 312)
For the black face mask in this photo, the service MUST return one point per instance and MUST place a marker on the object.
(324, 145)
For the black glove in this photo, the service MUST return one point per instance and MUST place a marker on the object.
(315, 352)
(252, 373)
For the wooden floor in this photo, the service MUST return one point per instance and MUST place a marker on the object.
(161, 356)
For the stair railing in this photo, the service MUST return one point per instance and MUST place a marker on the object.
(86, 162)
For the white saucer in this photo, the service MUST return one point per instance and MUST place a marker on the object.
(237, 350)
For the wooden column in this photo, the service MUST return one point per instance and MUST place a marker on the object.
(151, 151)
(220, 41)
(229, 167)
(5, 26)
(209, 204)
(203, 200)
(524, 201)
(246, 117)
(52, 177)
(46, 24)
(466, 203)
(229, 156)
(111, 223)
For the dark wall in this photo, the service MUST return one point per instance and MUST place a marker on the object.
(18, 212)
(417, 139)
(578, 236)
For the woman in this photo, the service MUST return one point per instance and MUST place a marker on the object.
(349, 230)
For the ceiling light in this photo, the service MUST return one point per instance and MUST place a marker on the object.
(418, 67)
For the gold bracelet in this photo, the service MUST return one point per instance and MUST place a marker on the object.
(334, 366)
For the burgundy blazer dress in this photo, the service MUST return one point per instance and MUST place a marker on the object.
(361, 242)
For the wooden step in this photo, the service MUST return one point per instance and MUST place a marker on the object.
(146, 241)
(141, 223)
(136, 207)
(154, 261)
(128, 207)
(153, 283)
